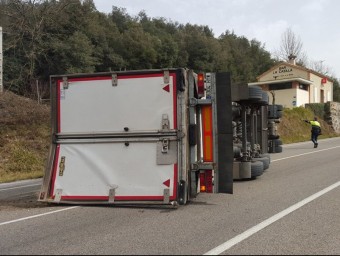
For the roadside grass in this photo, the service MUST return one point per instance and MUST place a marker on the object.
(24, 137)
(292, 127)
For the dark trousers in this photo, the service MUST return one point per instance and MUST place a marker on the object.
(314, 137)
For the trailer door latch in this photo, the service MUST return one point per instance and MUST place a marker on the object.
(165, 146)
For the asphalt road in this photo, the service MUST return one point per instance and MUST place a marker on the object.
(293, 208)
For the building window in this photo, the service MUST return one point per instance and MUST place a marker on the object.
(303, 87)
(280, 86)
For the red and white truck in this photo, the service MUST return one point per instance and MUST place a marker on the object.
(146, 137)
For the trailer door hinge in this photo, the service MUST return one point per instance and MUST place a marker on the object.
(165, 122)
(65, 82)
(114, 80)
(166, 194)
(112, 193)
(58, 194)
(166, 77)
(62, 166)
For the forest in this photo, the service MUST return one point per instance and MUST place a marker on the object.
(53, 37)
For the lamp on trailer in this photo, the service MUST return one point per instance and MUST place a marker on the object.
(200, 85)
(206, 176)
(206, 181)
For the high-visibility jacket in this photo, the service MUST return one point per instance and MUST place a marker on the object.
(315, 123)
(316, 127)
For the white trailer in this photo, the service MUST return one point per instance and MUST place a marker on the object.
(139, 137)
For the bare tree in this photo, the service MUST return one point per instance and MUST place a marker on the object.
(320, 67)
(290, 48)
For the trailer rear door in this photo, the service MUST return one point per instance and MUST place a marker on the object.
(115, 138)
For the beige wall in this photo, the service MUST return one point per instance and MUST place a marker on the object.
(289, 96)
(302, 97)
(284, 97)
(317, 87)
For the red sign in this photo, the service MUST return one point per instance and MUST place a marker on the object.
(324, 80)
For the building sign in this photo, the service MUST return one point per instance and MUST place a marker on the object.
(283, 72)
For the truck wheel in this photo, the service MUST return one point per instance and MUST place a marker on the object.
(243, 171)
(264, 160)
(256, 169)
(273, 136)
(277, 142)
(265, 98)
(255, 93)
(278, 149)
(266, 155)
(279, 107)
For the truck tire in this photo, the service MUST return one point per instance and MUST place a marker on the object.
(256, 169)
(278, 149)
(279, 107)
(277, 142)
(266, 155)
(273, 136)
(275, 149)
(255, 93)
(265, 162)
(265, 98)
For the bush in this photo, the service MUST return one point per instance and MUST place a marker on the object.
(317, 108)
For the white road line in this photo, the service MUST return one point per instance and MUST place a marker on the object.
(237, 239)
(316, 151)
(34, 185)
(39, 215)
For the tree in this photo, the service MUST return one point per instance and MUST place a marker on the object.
(336, 90)
(26, 42)
(290, 48)
(55, 37)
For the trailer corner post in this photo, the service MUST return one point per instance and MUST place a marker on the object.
(224, 133)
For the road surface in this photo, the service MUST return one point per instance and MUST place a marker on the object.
(293, 208)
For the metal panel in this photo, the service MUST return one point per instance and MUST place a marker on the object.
(89, 105)
(92, 171)
(115, 138)
(239, 92)
(224, 133)
(168, 156)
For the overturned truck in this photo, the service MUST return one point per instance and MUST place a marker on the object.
(152, 136)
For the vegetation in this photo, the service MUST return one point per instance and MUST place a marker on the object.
(24, 137)
(49, 37)
(293, 129)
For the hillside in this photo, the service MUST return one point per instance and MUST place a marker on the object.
(293, 129)
(25, 135)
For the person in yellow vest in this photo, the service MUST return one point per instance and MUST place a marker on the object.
(316, 130)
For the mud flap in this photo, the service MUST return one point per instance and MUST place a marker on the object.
(182, 192)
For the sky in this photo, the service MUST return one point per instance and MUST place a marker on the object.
(316, 23)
